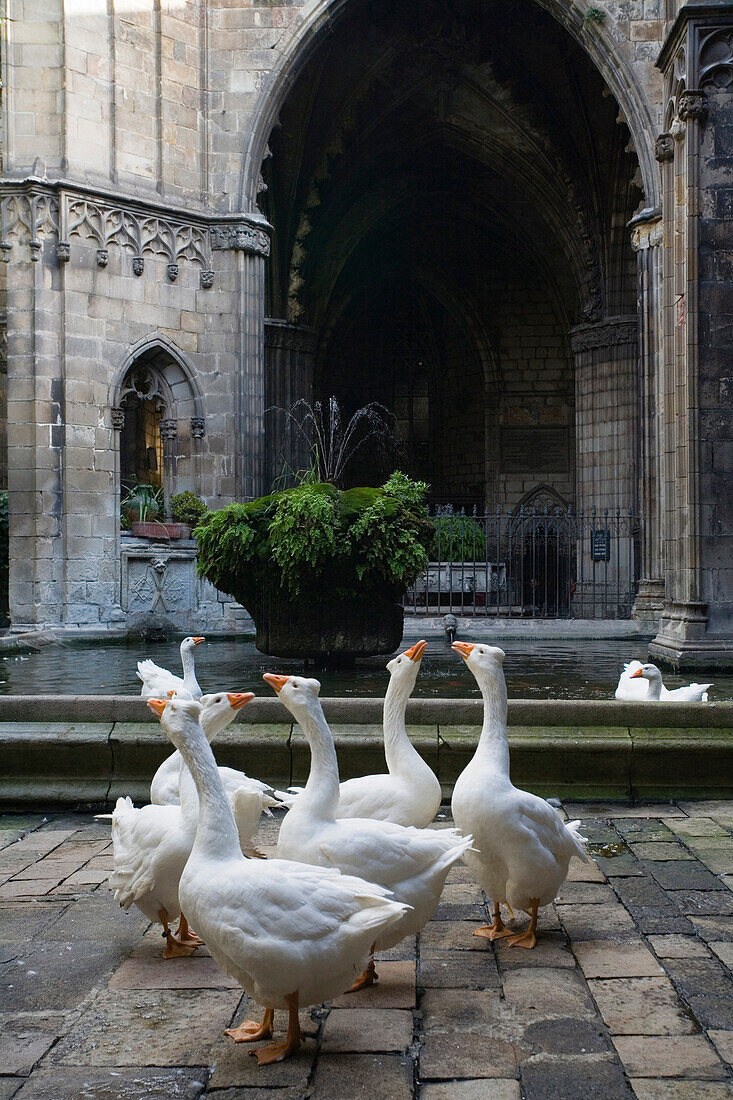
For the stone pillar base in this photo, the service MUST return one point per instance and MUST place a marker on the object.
(649, 602)
(684, 645)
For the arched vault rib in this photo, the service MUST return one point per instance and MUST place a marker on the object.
(318, 19)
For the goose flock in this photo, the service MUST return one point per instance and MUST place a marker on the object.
(357, 867)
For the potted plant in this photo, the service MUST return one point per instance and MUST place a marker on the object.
(186, 511)
(140, 507)
(321, 570)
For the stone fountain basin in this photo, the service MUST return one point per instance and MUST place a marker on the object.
(85, 751)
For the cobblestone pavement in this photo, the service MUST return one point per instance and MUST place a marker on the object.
(628, 992)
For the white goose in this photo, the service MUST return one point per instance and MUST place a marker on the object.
(157, 681)
(522, 847)
(629, 688)
(409, 793)
(691, 693)
(290, 934)
(249, 798)
(412, 863)
(150, 846)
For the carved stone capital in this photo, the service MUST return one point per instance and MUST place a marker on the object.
(63, 252)
(207, 279)
(198, 427)
(693, 104)
(664, 148)
(102, 257)
(168, 429)
(138, 265)
(117, 416)
(172, 270)
(610, 333)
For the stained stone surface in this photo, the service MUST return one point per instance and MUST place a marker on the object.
(600, 1008)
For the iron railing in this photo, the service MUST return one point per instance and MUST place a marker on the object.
(540, 564)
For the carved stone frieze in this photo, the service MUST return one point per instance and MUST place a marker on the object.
(27, 217)
(279, 334)
(240, 237)
(612, 332)
(664, 148)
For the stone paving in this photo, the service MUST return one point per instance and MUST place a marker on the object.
(627, 994)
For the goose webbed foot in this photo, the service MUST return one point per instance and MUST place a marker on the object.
(495, 931)
(174, 948)
(527, 939)
(277, 1052)
(185, 935)
(249, 1031)
(367, 978)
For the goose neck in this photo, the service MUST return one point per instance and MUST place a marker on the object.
(216, 836)
(189, 669)
(654, 680)
(397, 747)
(321, 794)
(493, 746)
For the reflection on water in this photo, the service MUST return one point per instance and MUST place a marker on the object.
(534, 669)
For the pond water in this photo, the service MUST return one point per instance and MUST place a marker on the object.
(574, 669)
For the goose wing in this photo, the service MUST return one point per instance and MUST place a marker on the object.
(139, 839)
(543, 824)
(386, 853)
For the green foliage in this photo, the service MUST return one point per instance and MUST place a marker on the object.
(142, 502)
(593, 15)
(355, 540)
(401, 487)
(187, 508)
(457, 538)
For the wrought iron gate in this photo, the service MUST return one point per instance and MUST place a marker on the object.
(538, 564)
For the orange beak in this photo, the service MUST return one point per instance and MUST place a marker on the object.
(171, 693)
(416, 651)
(239, 699)
(158, 705)
(198, 641)
(635, 675)
(464, 648)
(275, 681)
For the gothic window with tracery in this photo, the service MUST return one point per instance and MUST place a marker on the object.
(141, 443)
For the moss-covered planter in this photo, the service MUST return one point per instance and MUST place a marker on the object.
(320, 571)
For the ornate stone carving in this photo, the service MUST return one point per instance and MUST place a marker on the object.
(145, 385)
(198, 427)
(102, 257)
(138, 265)
(168, 429)
(27, 217)
(241, 238)
(715, 64)
(207, 279)
(117, 416)
(693, 104)
(613, 332)
(172, 270)
(280, 334)
(63, 252)
(664, 148)
(158, 583)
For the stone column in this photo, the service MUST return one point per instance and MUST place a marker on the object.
(697, 397)
(646, 239)
(289, 355)
(36, 406)
(247, 237)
